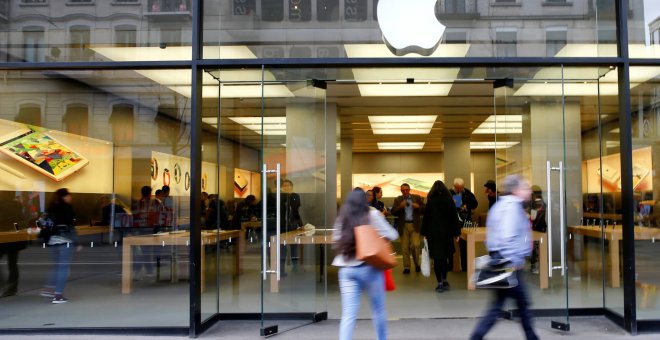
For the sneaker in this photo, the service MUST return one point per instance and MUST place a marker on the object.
(440, 288)
(59, 299)
(406, 271)
(418, 269)
(445, 285)
(535, 271)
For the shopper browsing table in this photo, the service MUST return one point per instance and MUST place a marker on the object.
(408, 208)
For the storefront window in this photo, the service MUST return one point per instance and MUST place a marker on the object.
(646, 134)
(76, 30)
(242, 29)
(125, 246)
(643, 25)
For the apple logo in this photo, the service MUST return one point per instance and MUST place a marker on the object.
(410, 26)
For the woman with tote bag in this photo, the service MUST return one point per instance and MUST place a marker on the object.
(440, 228)
(356, 276)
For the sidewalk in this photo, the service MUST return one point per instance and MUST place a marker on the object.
(582, 328)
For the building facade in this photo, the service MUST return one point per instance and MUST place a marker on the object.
(207, 145)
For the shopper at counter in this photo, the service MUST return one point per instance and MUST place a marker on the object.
(376, 195)
(491, 192)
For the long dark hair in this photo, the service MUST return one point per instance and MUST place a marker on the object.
(58, 197)
(438, 190)
(374, 194)
(353, 213)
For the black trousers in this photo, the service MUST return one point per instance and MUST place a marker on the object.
(441, 267)
(12, 263)
(518, 293)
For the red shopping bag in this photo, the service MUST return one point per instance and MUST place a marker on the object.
(389, 282)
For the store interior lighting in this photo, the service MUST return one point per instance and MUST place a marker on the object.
(492, 145)
(401, 145)
(402, 125)
(500, 124)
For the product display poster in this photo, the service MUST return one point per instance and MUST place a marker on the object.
(246, 183)
(33, 158)
(608, 173)
(420, 183)
(174, 171)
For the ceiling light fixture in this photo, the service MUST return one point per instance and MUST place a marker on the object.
(502, 124)
(402, 125)
(491, 145)
(401, 145)
(272, 126)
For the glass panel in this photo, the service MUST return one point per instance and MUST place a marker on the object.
(510, 130)
(293, 132)
(94, 30)
(645, 134)
(105, 137)
(236, 153)
(248, 29)
(643, 29)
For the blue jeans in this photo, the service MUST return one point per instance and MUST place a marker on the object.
(518, 293)
(352, 281)
(61, 256)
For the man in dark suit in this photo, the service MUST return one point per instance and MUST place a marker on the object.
(408, 208)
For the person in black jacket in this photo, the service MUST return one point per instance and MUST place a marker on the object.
(61, 242)
(465, 202)
(440, 228)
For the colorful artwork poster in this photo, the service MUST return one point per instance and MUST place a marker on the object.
(246, 183)
(44, 152)
(608, 175)
(420, 183)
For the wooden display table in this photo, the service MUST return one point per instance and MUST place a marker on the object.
(614, 234)
(22, 235)
(174, 239)
(474, 235)
(320, 236)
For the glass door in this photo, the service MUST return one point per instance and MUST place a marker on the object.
(295, 230)
(531, 137)
(549, 128)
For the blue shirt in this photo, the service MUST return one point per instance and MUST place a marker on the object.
(508, 230)
(409, 209)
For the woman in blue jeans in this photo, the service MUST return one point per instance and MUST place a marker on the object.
(356, 276)
(62, 243)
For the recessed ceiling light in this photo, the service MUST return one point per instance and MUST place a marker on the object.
(491, 145)
(400, 145)
(402, 125)
(502, 124)
(272, 126)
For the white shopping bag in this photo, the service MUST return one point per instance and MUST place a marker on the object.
(426, 262)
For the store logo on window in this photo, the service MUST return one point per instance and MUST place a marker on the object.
(410, 26)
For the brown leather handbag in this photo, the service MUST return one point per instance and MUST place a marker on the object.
(372, 248)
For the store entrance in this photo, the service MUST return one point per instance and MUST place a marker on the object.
(331, 130)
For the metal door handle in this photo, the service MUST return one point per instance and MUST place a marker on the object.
(264, 231)
(549, 214)
(562, 219)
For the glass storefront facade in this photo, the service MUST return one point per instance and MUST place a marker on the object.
(208, 143)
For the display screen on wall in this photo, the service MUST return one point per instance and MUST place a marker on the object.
(610, 175)
(420, 183)
(246, 183)
(38, 159)
(174, 171)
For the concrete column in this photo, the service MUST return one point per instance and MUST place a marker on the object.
(346, 159)
(306, 159)
(457, 162)
(549, 123)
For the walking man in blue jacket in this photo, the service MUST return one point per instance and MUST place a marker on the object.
(509, 233)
